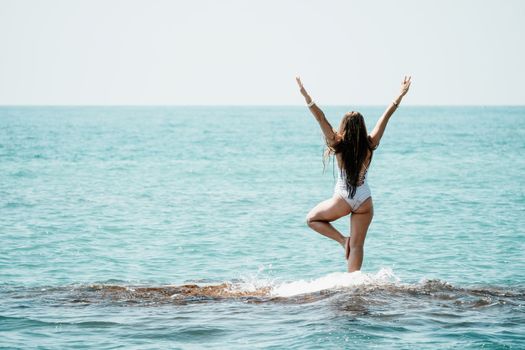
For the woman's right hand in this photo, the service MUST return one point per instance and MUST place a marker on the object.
(405, 85)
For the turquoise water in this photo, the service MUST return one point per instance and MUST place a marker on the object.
(106, 212)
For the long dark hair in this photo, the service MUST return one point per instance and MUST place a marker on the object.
(353, 147)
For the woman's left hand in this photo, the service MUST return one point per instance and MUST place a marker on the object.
(301, 87)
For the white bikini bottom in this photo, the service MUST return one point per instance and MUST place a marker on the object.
(362, 193)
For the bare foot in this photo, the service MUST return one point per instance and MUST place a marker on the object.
(346, 245)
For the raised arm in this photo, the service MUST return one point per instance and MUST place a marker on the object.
(379, 129)
(329, 134)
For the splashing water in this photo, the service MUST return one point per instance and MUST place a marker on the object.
(333, 281)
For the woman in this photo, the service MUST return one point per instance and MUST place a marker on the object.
(353, 148)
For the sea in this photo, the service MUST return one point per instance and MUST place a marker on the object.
(184, 227)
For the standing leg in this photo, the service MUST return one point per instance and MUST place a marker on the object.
(360, 220)
(322, 214)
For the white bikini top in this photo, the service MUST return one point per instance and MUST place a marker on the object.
(362, 178)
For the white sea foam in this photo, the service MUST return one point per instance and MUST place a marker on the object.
(333, 281)
(256, 282)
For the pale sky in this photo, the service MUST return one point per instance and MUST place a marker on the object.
(242, 52)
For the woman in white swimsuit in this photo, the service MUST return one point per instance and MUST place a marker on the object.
(353, 148)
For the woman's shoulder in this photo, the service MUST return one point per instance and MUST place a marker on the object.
(371, 143)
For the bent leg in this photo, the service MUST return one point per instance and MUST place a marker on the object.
(322, 214)
(360, 221)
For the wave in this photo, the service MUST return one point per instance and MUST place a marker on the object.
(336, 280)
(17, 322)
(382, 286)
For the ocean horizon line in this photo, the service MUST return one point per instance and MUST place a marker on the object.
(244, 105)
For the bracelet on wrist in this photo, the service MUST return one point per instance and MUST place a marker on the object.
(395, 103)
(311, 104)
